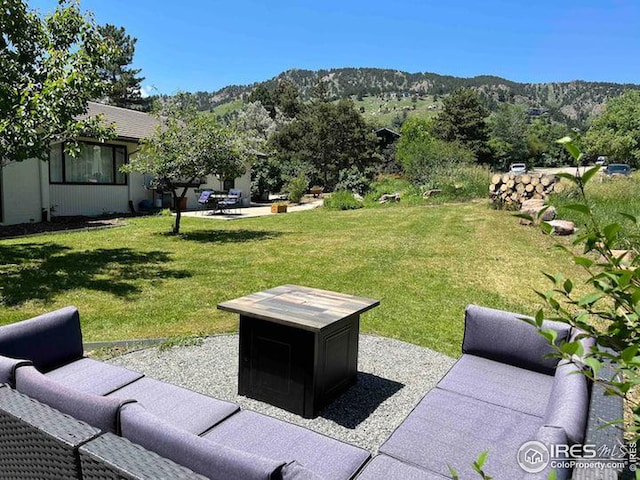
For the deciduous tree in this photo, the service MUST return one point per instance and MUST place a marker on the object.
(616, 133)
(508, 142)
(423, 155)
(49, 70)
(187, 147)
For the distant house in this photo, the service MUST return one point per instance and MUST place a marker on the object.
(386, 137)
(91, 184)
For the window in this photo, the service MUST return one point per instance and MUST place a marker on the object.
(228, 184)
(95, 164)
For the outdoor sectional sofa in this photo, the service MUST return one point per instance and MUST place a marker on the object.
(117, 423)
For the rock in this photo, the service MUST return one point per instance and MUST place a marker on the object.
(533, 207)
(389, 197)
(562, 227)
(431, 193)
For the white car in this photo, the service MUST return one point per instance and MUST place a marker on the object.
(518, 168)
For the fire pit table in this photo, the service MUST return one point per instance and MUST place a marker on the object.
(298, 345)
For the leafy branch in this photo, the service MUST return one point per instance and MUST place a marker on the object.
(610, 310)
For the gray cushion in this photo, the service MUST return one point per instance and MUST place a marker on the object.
(551, 436)
(179, 406)
(504, 337)
(49, 340)
(383, 467)
(101, 412)
(296, 471)
(569, 402)
(7, 369)
(499, 383)
(268, 437)
(447, 428)
(92, 376)
(218, 462)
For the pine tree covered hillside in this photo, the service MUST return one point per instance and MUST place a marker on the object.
(570, 102)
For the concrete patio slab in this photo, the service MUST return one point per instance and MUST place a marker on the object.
(255, 210)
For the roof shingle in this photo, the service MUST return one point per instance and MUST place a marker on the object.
(129, 124)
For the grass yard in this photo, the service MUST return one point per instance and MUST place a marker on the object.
(425, 264)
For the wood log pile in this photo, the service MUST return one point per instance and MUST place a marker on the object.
(509, 191)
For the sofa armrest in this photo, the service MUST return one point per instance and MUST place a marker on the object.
(48, 340)
(8, 369)
(101, 412)
(38, 441)
(569, 401)
(113, 457)
(507, 338)
(602, 410)
(214, 460)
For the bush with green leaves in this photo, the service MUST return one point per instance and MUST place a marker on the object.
(297, 187)
(355, 180)
(422, 154)
(342, 200)
(611, 195)
(610, 310)
(463, 182)
(410, 194)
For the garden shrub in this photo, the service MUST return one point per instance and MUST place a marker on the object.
(464, 182)
(354, 180)
(297, 187)
(342, 200)
(388, 184)
(612, 196)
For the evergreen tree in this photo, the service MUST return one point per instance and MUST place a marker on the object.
(124, 90)
(287, 98)
(263, 95)
(325, 139)
(463, 119)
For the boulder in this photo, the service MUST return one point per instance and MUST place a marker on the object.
(533, 207)
(562, 227)
(389, 197)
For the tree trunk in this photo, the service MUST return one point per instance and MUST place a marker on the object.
(176, 203)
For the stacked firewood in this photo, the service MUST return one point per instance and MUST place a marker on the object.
(508, 190)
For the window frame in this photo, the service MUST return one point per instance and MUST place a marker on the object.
(113, 148)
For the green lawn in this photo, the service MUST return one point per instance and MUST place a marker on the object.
(424, 263)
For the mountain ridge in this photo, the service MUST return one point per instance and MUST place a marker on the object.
(574, 101)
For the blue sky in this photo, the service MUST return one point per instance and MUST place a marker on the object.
(205, 45)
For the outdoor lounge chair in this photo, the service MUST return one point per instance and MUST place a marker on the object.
(234, 200)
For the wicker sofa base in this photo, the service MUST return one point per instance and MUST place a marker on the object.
(39, 442)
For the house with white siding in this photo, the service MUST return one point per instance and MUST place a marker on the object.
(91, 183)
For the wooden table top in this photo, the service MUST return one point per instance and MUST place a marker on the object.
(301, 307)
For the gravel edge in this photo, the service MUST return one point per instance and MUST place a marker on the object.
(392, 377)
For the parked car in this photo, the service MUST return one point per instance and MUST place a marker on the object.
(617, 169)
(518, 168)
(602, 160)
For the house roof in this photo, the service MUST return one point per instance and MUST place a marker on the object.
(387, 131)
(129, 124)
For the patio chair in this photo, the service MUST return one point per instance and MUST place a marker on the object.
(234, 200)
(205, 199)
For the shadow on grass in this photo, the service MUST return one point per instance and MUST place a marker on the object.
(36, 271)
(228, 236)
(358, 402)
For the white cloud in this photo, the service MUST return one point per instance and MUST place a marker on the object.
(146, 91)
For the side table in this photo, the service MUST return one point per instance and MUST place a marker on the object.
(298, 345)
